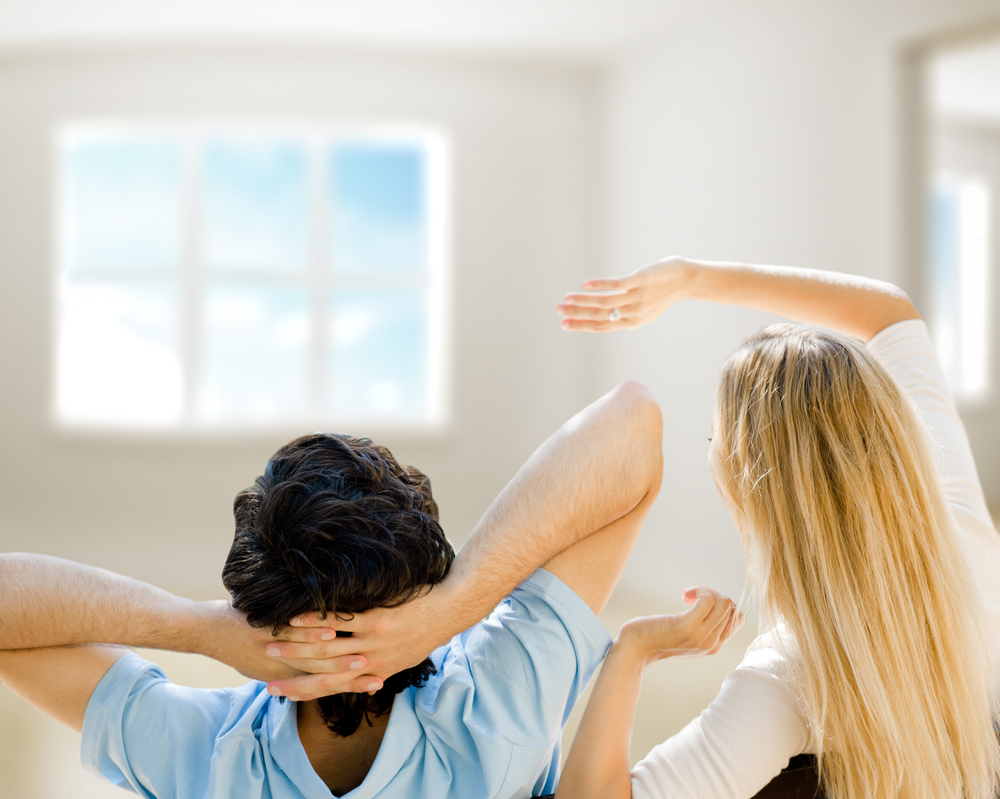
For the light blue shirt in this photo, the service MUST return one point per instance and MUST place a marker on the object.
(486, 726)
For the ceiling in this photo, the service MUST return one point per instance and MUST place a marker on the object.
(573, 28)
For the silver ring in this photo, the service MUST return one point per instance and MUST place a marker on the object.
(615, 315)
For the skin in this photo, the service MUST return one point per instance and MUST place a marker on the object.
(575, 507)
(598, 763)
(854, 305)
(598, 766)
(568, 508)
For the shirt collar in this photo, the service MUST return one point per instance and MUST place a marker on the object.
(401, 736)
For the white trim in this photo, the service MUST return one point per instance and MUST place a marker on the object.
(317, 279)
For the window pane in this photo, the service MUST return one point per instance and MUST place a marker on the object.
(122, 202)
(255, 205)
(254, 355)
(377, 202)
(960, 283)
(379, 352)
(119, 356)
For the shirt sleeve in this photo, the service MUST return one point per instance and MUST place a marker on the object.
(495, 711)
(143, 733)
(738, 743)
(908, 353)
(906, 350)
(531, 659)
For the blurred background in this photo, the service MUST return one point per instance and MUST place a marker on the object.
(225, 224)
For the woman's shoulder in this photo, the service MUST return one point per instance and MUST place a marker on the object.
(772, 653)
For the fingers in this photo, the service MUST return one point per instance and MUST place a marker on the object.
(322, 648)
(703, 601)
(719, 611)
(596, 314)
(612, 283)
(591, 327)
(307, 635)
(313, 686)
(713, 619)
(330, 620)
(327, 665)
(607, 301)
(736, 619)
(729, 622)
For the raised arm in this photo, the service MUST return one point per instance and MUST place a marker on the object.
(58, 618)
(854, 305)
(575, 507)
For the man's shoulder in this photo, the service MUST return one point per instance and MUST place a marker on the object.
(143, 730)
(543, 614)
(133, 683)
(530, 657)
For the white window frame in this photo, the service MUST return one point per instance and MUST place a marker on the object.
(319, 280)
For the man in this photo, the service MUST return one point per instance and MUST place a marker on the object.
(336, 525)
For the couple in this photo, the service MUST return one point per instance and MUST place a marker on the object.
(844, 466)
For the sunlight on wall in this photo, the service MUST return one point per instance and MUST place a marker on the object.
(960, 283)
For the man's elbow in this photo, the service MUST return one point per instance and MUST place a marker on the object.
(640, 423)
(639, 410)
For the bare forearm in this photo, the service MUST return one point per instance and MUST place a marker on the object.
(851, 304)
(47, 601)
(594, 470)
(598, 762)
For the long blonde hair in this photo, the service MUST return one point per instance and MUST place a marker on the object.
(824, 465)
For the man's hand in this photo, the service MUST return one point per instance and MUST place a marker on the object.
(219, 631)
(578, 501)
(382, 642)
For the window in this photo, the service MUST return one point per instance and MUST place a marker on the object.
(960, 290)
(237, 278)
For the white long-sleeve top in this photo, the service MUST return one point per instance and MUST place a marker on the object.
(755, 725)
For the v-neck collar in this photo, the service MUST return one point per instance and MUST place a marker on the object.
(401, 736)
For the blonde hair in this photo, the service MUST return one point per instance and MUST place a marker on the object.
(824, 465)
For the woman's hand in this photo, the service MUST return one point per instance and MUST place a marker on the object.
(855, 305)
(598, 763)
(702, 630)
(638, 298)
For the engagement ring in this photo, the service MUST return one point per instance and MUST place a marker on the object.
(615, 315)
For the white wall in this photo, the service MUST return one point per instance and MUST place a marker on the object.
(767, 133)
(523, 134)
(524, 157)
(760, 133)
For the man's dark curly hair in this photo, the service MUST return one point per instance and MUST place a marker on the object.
(336, 525)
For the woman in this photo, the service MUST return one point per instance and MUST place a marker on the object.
(870, 550)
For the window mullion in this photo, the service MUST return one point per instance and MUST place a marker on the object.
(319, 356)
(190, 278)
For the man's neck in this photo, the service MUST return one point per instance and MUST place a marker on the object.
(342, 763)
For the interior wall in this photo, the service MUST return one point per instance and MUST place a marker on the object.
(768, 134)
(523, 154)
